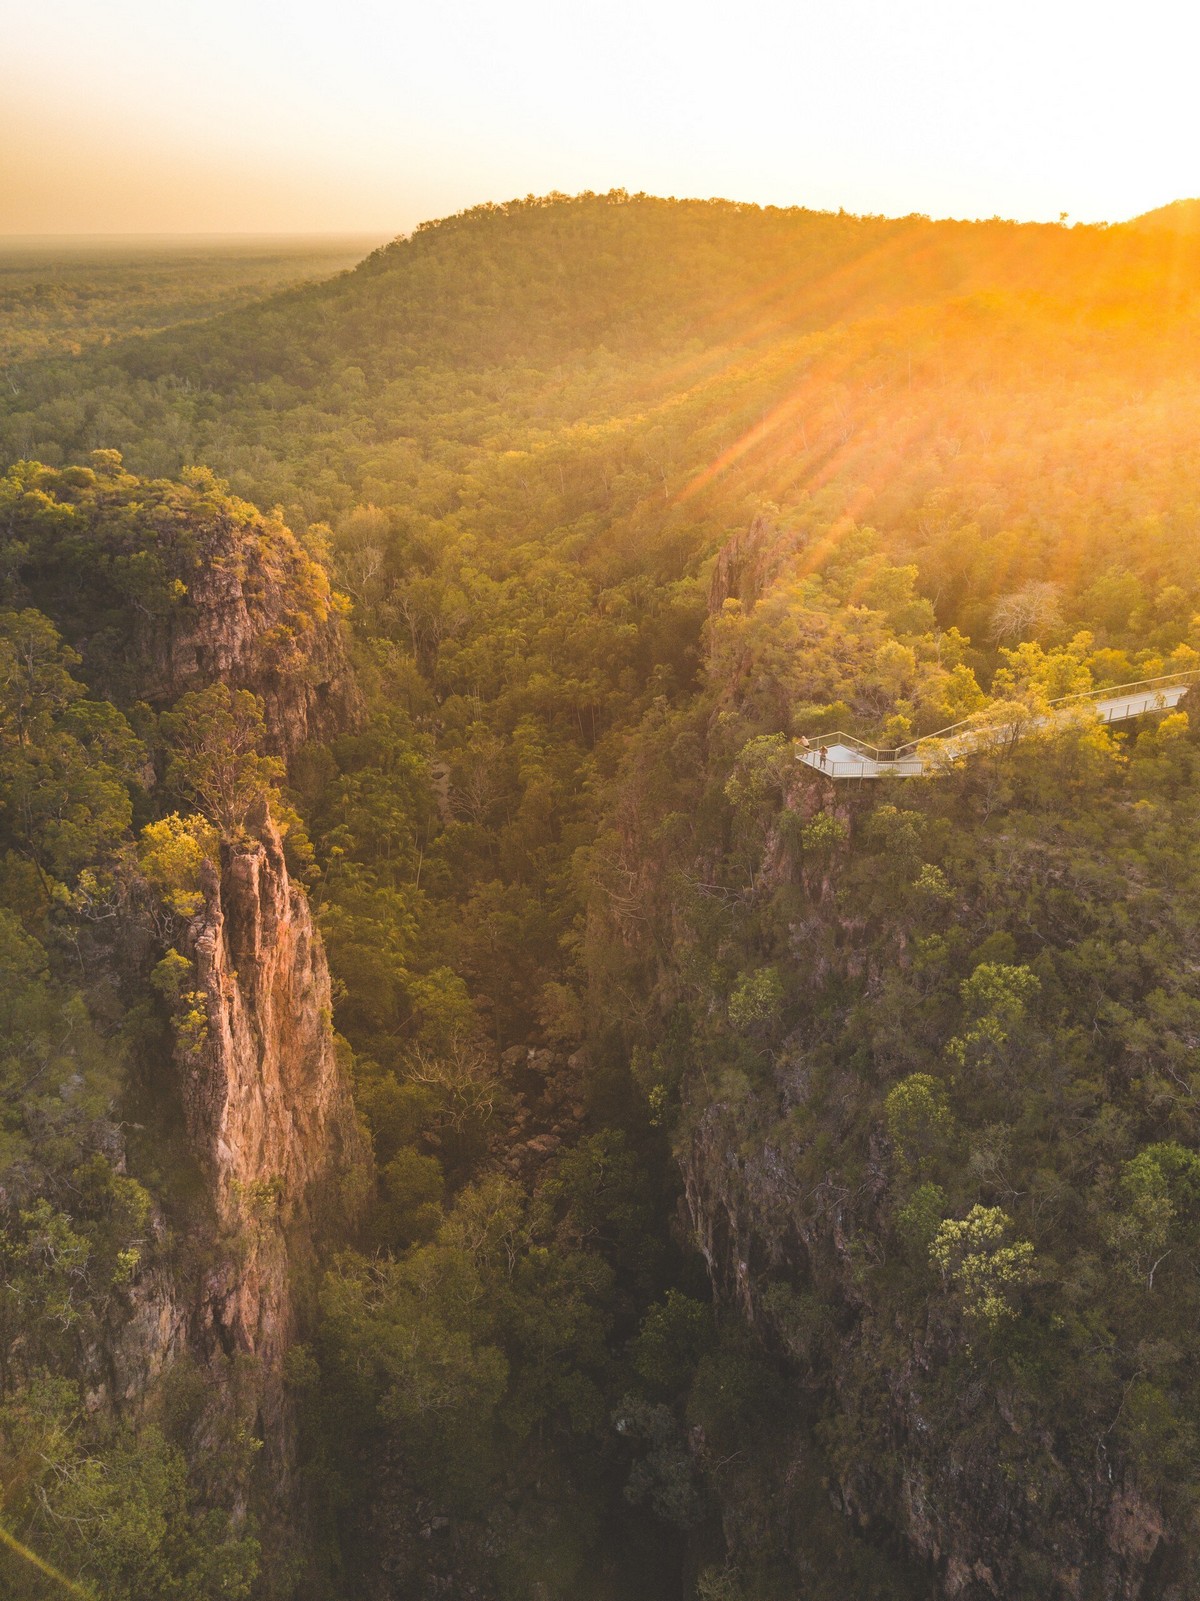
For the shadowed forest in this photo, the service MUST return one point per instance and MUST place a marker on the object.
(763, 1187)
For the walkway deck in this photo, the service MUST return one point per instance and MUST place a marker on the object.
(848, 757)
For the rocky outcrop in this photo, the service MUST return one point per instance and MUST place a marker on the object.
(749, 562)
(257, 614)
(932, 1448)
(268, 1106)
(547, 1112)
(940, 1485)
(167, 587)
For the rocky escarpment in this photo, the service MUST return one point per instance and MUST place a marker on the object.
(983, 1459)
(257, 614)
(268, 1106)
(775, 1247)
(748, 563)
(167, 587)
(930, 1447)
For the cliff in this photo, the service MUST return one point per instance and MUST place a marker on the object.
(257, 614)
(749, 562)
(925, 1434)
(943, 1480)
(166, 587)
(268, 1108)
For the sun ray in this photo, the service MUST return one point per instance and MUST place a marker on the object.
(44, 1567)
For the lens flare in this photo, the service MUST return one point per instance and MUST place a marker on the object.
(40, 1563)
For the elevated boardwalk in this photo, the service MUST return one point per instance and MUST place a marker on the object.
(848, 757)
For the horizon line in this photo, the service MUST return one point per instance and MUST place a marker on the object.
(196, 233)
(24, 238)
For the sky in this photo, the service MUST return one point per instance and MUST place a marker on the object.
(159, 116)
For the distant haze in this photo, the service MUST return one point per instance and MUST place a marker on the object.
(366, 116)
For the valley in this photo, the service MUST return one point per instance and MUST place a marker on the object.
(479, 1116)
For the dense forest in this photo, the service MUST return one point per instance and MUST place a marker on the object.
(479, 1117)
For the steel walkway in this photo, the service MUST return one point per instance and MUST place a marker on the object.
(1000, 724)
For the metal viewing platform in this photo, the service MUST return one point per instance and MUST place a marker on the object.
(1000, 724)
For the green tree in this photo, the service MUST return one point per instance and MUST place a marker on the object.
(975, 1255)
(213, 737)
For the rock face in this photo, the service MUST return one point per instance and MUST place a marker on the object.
(746, 565)
(268, 1106)
(167, 587)
(258, 614)
(931, 1455)
(944, 1492)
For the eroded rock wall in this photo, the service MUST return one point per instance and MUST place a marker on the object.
(268, 1107)
(258, 614)
(943, 1484)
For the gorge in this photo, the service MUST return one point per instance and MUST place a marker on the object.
(478, 1117)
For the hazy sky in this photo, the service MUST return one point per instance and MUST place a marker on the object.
(226, 115)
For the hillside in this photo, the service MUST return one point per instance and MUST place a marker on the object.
(1181, 216)
(773, 1188)
(724, 353)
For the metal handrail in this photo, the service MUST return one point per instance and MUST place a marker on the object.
(839, 738)
(903, 752)
(1100, 692)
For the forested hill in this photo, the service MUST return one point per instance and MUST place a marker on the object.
(725, 352)
(772, 1191)
(538, 280)
(1183, 216)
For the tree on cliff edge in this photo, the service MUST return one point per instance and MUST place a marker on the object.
(213, 738)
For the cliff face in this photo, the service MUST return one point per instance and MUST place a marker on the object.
(969, 1458)
(166, 587)
(945, 1486)
(257, 615)
(748, 563)
(268, 1107)
(956, 1471)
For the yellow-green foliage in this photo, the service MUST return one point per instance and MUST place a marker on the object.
(996, 999)
(1158, 1208)
(918, 1117)
(975, 1256)
(825, 832)
(756, 1000)
(172, 978)
(171, 852)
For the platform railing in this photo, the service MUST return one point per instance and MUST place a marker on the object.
(977, 722)
(1079, 698)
